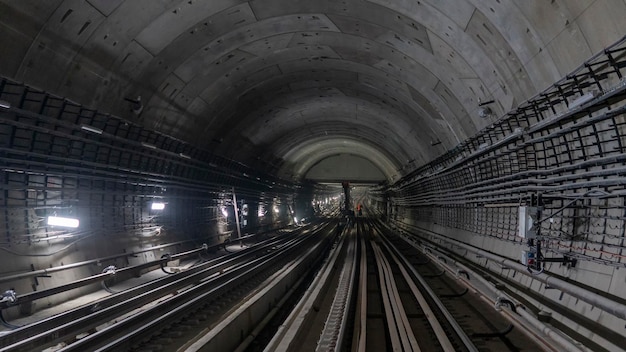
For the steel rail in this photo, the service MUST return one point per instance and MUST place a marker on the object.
(286, 335)
(565, 343)
(273, 287)
(144, 323)
(331, 338)
(58, 327)
(606, 304)
(392, 327)
(450, 319)
(361, 318)
(406, 338)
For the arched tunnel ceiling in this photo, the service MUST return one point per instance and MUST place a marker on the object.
(283, 84)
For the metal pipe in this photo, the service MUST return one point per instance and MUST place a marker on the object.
(566, 343)
(87, 262)
(236, 214)
(612, 307)
(563, 341)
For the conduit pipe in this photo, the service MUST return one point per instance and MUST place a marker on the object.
(568, 344)
(612, 307)
(45, 272)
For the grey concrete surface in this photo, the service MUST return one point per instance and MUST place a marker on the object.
(323, 89)
(275, 74)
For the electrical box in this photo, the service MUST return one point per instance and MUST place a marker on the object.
(528, 258)
(528, 222)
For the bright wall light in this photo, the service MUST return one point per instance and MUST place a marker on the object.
(65, 222)
(91, 129)
(157, 206)
(224, 212)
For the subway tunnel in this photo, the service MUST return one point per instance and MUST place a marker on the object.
(493, 128)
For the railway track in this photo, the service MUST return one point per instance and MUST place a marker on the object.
(164, 313)
(389, 297)
(365, 289)
(399, 316)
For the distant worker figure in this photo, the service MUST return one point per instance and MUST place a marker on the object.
(9, 296)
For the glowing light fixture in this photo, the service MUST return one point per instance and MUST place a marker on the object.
(64, 222)
(91, 129)
(157, 206)
(5, 104)
(224, 212)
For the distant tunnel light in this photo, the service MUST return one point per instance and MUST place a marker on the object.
(64, 222)
(157, 206)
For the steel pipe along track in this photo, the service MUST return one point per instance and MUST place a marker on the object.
(86, 320)
(365, 289)
(469, 321)
(188, 312)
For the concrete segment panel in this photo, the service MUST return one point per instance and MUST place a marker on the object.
(74, 21)
(509, 72)
(455, 106)
(576, 7)
(106, 7)
(546, 18)
(178, 17)
(443, 52)
(518, 31)
(347, 167)
(438, 24)
(133, 61)
(201, 65)
(602, 23)
(19, 44)
(569, 49)
(269, 45)
(542, 70)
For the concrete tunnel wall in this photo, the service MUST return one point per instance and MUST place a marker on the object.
(256, 81)
(554, 152)
(108, 180)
